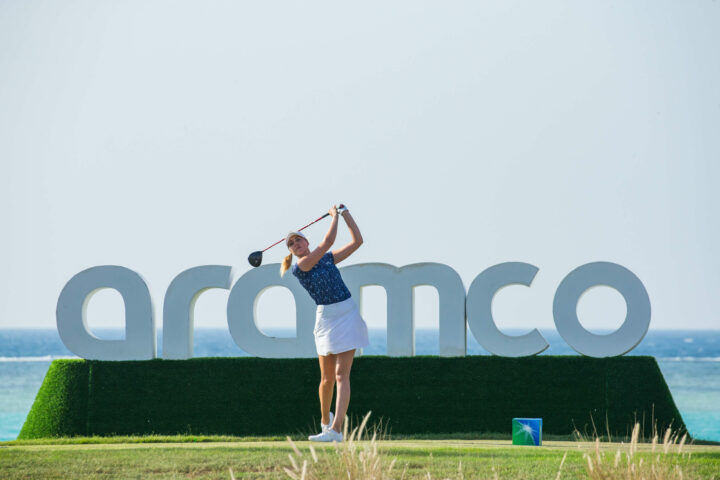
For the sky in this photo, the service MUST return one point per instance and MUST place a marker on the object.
(163, 135)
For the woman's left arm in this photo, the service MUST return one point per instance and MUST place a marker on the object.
(342, 253)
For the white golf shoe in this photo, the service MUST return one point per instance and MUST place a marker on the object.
(328, 435)
(324, 427)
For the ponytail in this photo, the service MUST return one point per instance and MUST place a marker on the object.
(285, 264)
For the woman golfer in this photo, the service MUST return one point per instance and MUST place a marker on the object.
(339, 329)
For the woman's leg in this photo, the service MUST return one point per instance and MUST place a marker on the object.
(343, 364)
(327, 382)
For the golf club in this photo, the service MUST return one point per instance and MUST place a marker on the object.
(255, 258)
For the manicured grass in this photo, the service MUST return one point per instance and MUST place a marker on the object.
(140, 439)
(264, 459)
(234, 439)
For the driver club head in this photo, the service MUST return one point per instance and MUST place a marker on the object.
(255, 258)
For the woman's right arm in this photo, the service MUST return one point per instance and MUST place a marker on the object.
(308, 262)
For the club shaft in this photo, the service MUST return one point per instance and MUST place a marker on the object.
(300, 229)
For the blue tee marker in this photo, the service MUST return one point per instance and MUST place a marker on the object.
(527, 431)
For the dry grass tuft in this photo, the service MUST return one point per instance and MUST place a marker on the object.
(356, 458)
(628, 465)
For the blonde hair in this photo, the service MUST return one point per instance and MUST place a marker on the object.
(285, 264)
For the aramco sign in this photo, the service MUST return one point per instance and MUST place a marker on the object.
(457, 309)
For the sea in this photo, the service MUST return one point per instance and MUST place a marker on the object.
(689, 361)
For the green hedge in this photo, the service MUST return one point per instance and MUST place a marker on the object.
(60, 407)
(257, 396)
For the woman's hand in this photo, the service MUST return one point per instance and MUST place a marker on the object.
(333, 211)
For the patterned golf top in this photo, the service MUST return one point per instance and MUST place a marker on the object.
(323, 282)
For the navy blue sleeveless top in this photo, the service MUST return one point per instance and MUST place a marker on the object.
(323, 282)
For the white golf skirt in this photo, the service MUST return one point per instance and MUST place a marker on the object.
(339, 328)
